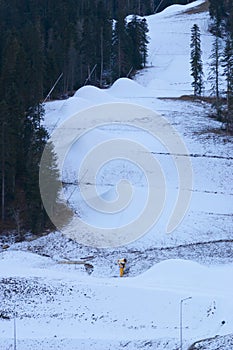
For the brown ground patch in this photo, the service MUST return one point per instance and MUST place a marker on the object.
(191, 98)
(198, 9)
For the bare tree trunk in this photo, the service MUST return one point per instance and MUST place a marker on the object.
(217, 78)
(101, 56)
(119, 57)
(151, 6)
(16, 215)
(139, 7)
(3, 172)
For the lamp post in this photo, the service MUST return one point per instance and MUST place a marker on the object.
(14, 332)
(181, 320)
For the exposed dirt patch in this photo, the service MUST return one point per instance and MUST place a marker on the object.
(198, 9)
(192, 98)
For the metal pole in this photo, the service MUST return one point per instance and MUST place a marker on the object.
(54, 85)
(89, 76)
(129, 72)
(181, 302)
(14, 333)
(155, 9)
(181, 321)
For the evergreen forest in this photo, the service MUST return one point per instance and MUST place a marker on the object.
(73, 43)
(221, 65)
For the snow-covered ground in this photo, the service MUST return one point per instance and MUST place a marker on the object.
(168, 73)
(60, 308)
(57, 305)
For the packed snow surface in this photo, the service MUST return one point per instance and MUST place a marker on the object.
(54, 306)
(59, 294)
(168, 73)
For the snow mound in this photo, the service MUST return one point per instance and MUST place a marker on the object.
(175, 267)
(176, 9)
(58, 111)
(93, 94)
(19, 263)
(187, 277)
(125, 87)
(74, 105)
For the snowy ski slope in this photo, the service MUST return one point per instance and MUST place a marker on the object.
(61, 306)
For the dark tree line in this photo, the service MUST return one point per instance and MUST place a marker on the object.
(72, 37)
(221, 13)
(41, 41)
(221, 61)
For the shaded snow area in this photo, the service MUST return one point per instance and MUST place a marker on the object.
(57, 293)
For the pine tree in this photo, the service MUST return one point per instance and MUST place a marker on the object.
(11, 111)
(196, 62)
(121, 64)
(144, 40)
(3, 114)
(35, 138)
(214, 73)
(222, 14)
(217, 11)
(134, 38)
(228, 73)
(103, 40)
(88, 45)
(137, 30)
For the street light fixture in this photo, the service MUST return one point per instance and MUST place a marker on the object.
(14, 332)
(181, 320)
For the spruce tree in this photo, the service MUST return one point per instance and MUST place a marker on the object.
(228, 73)
(196, 61)
(214, 73)
(121, 64)
(35, 138)
(134, 35)
(217, 12)
(137, 30)
(144, 40)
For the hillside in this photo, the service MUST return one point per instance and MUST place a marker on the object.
(66, 295)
